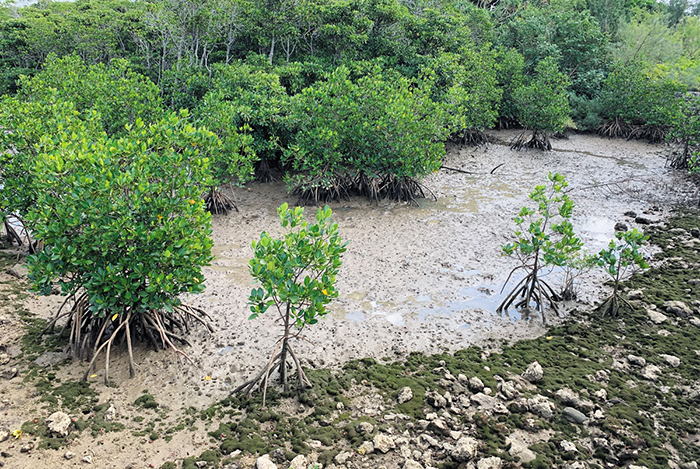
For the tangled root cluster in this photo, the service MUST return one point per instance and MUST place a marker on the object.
(473, 138)
(318, 190)
(538, 141)
(91, 334)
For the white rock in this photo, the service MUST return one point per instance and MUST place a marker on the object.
(110, 413)
(365, 428)
(411, 464)
(519, 449)
(678, 308)
(405, 395)
(4, 434)
(567, 446)
(509, 389)
(465, 449)
(365, 448)
(490, 463)
(264, 462)
(650, 372)
(671, 360)
(601, 394)
(342, 457)
(533, 373)
(475, 384)
(635, 295)
(383, 443)
(59, 422)
(636, 361)
(87, 459)
(541, 406)
(299, 462)
(69, 455)
(656, 317)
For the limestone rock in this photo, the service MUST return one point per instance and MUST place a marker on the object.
(678, 308)
(365, 428)
(110, 413)
(534, 372)
(436, 400)
(518, 449)
(650, 372)
(383, 443)
(573, 415)
(411, 464)
(366, 448)
(569, 397)
(405, 395)
(299, 462)
(69, 455)
(695, 322)
(87, 459)
(4, 434)
(671, 360)
(18, 271)
(475, 384)
(342, 457)
(508, 389)
(439, 427)
(567, 446)
(59, 423)
(635, 294)
(465, 449)
(636, 361)
(490, 463)
(541, 406)
(656, 317)
(264, 462)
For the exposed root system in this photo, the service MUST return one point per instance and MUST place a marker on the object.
(90, 334)
(278, 362)
(537, 141)
(681, 157)
(615, 128)
(530, 288)
(611, 307)
(218, 203)
(505, 123)
(470, 137)
(263, 171)
(652, 133)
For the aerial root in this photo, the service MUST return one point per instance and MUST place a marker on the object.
(530, 288)
(261, 380)
(219, 203)
(538, 141)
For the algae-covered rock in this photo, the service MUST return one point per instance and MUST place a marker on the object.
(573, 415)
(678, 308)
(636, 361)
(59, 423)
(465, 449)
(383, 443)
(534, 373)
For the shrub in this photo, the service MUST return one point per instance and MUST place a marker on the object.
(125, 232)
(543, 105)
(375, 137)
(544, 237)
(297, 277)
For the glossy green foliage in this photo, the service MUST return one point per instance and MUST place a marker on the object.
(25, 125)
(297, 273)
(623, 253)
(252, 101)
(465, 85)
(686, 130)
(640, 94)
(509, 67)
(543, 104)
(381, 125)
(119, 95)
(544, 232)
(123, 218)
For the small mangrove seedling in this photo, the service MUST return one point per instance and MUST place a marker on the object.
(297, 278)
(620, 260)
(544, 238)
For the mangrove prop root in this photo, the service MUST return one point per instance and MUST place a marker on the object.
(615, 128)
(262, 379)
(471, 137)
(538, 141)
(652, 133)
(219, 203)
(90, 334)
(530, 289)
